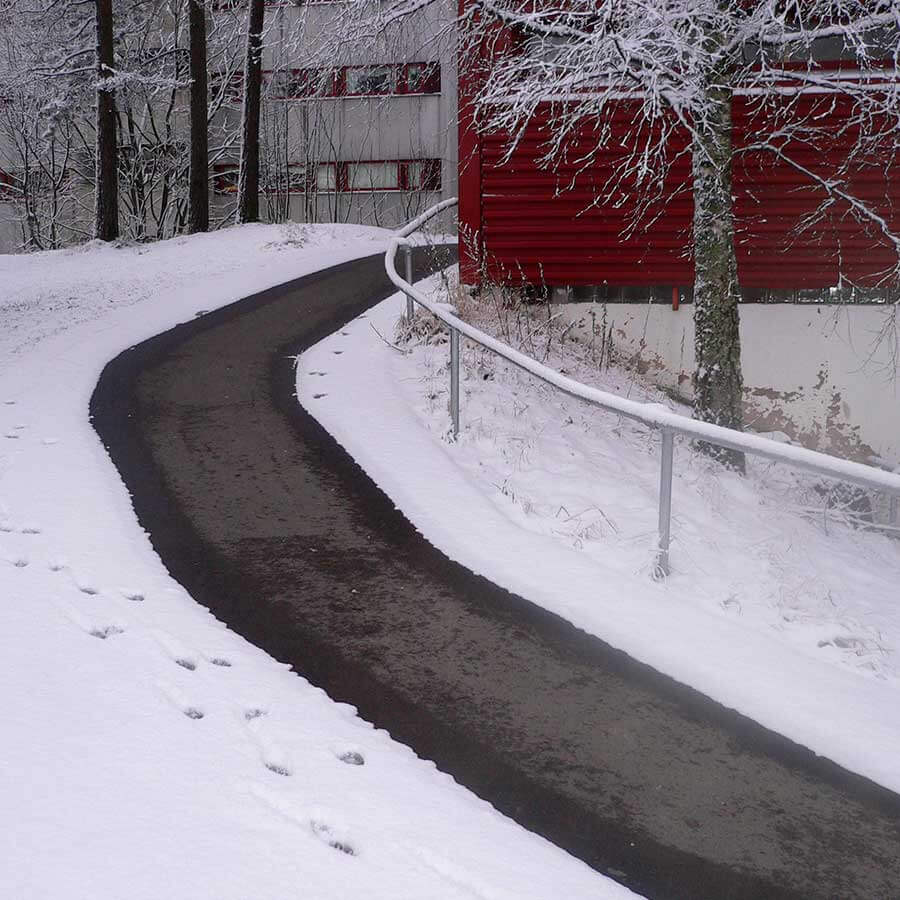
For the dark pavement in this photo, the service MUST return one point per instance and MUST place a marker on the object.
(265, 520)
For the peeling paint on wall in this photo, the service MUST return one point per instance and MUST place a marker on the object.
(824, 376)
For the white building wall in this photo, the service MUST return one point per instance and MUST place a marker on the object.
(827, 376)
(351, 129)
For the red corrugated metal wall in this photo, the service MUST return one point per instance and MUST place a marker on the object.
(544, 224)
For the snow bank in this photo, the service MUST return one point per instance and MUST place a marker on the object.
(774, 608)
(148, 751)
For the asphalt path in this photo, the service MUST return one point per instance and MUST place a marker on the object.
(258, 512)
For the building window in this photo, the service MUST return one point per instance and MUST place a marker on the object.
(230, 86)
(297, 84)
(225, 178)
(381, 175)
(353, 81)
(371, 80)
(422, 175)
(219, 5)
(422, 78)
(9, 186)
(326, 177)
(297, 180)
(288, 85)
(292, 180)
(373, 176)
(363, 176)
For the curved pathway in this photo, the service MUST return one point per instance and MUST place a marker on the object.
(265, 520)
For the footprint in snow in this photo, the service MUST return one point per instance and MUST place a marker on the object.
(50, 440)
(337, 352)
(30, 529)
(88, 589)
(133, 596)
(181, 703)
(7, 527)
(334, 837)
(106, 631)
(11, 435)
(9, 402)
(56, 565)
(326, 834)
(19, 562)
(273, 757)
(87, 623)
(845, 642)
(352, 758)
(176, 651)
(319, 396)
(221, 661)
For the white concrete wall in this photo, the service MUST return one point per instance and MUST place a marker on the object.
(827, 376)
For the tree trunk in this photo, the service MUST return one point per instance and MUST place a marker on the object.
(248, 179)
(198, 219)
(106, 193)
(718, 383)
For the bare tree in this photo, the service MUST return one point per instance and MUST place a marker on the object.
(678, 65)
(248, 177)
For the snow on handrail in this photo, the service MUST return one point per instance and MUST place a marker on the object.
(419, 221)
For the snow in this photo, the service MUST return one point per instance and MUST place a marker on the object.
(148, 751)
(775, 606)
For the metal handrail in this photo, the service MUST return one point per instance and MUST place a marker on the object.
(654, 415)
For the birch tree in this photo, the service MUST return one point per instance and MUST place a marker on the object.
(681, 63)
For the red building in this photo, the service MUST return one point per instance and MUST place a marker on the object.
(522, 220)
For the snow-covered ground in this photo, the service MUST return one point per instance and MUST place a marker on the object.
(775, 607)
(149, 752)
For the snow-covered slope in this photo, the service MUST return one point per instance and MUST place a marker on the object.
(775, 607)
(149, 752)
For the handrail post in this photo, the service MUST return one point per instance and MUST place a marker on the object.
(409, 276)
(454, 380)
(665, 502)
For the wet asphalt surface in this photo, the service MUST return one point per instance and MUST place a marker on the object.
(258, 512)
